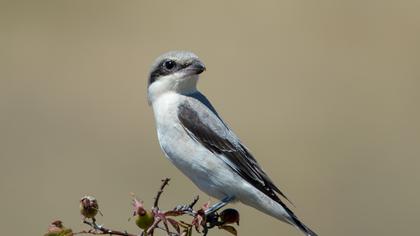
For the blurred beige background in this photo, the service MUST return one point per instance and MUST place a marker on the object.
(325, 93)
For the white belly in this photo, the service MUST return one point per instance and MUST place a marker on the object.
(205, 169)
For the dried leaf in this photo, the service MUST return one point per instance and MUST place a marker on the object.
(230, 229)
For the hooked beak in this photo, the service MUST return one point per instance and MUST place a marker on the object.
(197, 67)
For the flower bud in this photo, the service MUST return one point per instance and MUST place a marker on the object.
(57, 229)
(89, 207)
(144, 218)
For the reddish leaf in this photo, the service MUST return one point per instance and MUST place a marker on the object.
(174, 224)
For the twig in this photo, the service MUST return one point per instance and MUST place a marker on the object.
(192, 204)
(104, 230)
(164, 183)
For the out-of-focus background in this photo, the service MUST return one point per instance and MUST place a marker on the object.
(326, 94)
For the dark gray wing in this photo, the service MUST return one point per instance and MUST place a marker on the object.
(202, 123)
(205, 126)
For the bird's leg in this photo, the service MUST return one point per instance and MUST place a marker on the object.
(212, 216)
(219, 205)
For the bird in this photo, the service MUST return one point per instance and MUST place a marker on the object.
(195, 138)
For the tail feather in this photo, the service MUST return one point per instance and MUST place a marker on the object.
(297, 223)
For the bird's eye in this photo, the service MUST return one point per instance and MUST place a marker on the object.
(169, 65)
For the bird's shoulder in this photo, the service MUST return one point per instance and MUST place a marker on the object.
(198, 115)
(206, 127)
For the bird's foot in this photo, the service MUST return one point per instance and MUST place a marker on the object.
(212, 220)
(212, 209)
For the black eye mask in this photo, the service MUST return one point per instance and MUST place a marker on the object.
(166, 67)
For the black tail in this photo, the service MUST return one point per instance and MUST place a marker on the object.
(297, 223)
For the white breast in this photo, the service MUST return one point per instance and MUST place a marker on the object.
(205, 169)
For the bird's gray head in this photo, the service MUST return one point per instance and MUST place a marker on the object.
(175, 71)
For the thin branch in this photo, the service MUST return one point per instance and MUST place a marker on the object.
(104, 230)
(164, 183)
(192, 204)
(160, 219)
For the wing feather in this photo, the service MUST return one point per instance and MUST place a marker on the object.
(207, 128)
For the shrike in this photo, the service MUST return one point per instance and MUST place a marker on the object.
(199, 143)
